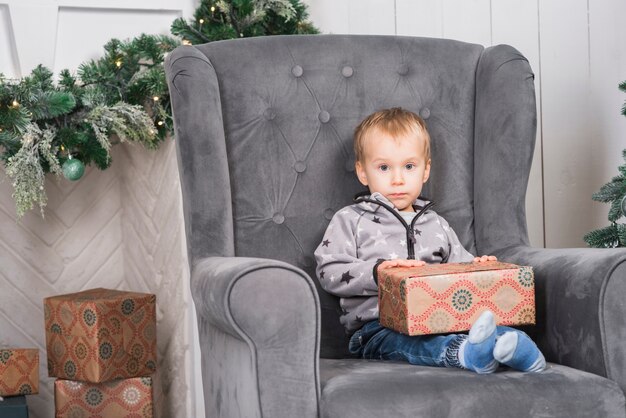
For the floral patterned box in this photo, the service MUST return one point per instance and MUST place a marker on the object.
(440, 298)
(19, 371)
(100, 335)
(123, 398)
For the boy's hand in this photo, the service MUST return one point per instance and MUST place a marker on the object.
(400, 263)
(485, 258)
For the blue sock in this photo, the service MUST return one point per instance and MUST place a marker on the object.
(516, 350)
(476, 353)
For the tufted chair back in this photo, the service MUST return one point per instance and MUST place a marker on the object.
(265, 139)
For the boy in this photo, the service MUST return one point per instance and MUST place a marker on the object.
(393, 226)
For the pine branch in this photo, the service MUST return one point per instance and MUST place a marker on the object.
(621, 234)
(25, 170)
(607, 237)
(50, 104)
(615, 212)
(622, 87)
(611, 191)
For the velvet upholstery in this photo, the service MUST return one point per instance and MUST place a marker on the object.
(264, 140)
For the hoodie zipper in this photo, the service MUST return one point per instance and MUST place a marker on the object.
(410, 235)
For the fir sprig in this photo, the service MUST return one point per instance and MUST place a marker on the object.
(219, 20)
(26, 171)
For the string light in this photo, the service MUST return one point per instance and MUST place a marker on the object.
(160, 123)
(201, 21)
(155, 98)
(186, 42)
(62, 147)
(212, 9)
(118, 63)
(15, 103)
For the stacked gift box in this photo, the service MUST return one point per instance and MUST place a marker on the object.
(101, 345)
(19, 376)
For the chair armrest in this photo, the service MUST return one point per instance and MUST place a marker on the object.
(259, 325)
(581, 306)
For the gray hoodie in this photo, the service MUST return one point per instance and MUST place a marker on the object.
(362, 235)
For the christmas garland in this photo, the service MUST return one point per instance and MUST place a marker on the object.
(48, 127)
(613, 192)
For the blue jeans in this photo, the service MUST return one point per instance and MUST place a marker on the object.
(373, 341)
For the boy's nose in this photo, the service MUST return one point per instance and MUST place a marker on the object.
(397, 178)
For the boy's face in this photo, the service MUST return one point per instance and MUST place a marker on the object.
(394, 167)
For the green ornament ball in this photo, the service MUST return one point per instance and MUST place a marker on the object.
(73, 169)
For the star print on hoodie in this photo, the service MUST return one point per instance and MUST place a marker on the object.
(362, 235)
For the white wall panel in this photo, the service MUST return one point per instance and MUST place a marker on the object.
(102, 25)
(467, 20)
(607, 34)
(329, 16)
(8, 54)
(567, 133)
(372, 16)
(27, 20)
(420, 18)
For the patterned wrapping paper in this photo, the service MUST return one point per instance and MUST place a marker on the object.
(441, 298)
(100, 335)
(19, 371)
(123, 398)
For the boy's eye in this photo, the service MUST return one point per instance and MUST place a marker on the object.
(383, 167)
(409, 166)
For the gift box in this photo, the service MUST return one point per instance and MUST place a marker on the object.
(122, 398)
(14, 407)
(440, 298)
(100, 335)
(19, 371)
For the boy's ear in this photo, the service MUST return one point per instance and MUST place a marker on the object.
(360, 173)
(427, 171)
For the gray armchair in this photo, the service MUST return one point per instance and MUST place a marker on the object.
(264, 133)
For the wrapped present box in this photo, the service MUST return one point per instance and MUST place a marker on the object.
(19, 371)
(100, 335)
(441, 298)
(123, 398)
(14, 407)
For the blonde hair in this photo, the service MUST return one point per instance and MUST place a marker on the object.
(395, 122)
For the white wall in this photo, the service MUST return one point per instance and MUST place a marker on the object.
(577, 49)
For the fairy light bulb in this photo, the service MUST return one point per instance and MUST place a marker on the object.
(118, 63)
(201, 21)
(15, 103)
(155, 98)
(160, 123)
(212, 8)
(186, 42)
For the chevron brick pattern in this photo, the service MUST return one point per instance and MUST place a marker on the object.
(155, 259)
(121, 228)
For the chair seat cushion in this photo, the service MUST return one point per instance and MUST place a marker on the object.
(371, 388)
